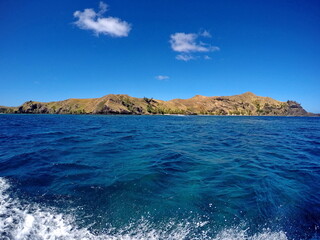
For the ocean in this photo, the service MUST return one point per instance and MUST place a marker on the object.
(159, 177)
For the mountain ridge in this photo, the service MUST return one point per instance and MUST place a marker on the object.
(243, 104)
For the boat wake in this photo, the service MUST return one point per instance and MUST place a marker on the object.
(21, 221)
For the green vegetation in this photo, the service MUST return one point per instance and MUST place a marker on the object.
(127, 103)
(100, 106)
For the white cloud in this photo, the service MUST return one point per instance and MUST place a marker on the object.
(88, 19)
(188, 43)
(162, 77)
(183, 42)
(206, 57)
(205, 33)
(103, 8)
(185, 57)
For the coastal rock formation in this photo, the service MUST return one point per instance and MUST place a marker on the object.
(243, 104)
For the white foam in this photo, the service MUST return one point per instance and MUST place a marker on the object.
(234, 234)
(20, 221)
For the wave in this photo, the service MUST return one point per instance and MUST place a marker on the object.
(21, 221)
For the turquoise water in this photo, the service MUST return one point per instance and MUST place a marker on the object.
(159, 177)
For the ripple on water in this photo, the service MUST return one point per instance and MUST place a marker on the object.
(158, 177)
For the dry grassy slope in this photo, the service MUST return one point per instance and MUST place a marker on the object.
(4, 109)
(243, 104)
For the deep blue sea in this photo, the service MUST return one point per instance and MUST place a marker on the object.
(159, 177)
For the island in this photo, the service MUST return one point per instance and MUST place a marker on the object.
(247, 104)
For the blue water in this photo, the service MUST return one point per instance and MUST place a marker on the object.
(159, 177)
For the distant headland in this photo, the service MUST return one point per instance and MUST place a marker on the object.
(247, 104)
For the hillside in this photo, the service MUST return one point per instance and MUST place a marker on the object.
(243, 104)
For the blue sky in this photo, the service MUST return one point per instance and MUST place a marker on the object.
(165, 49)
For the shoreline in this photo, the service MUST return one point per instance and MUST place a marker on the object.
(170, 115)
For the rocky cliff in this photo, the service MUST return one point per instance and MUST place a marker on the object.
(243, 104)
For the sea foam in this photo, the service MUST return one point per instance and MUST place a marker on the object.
(22, 221)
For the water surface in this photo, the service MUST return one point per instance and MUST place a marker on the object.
(159, 177)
